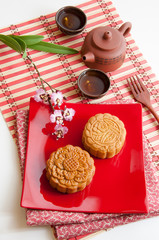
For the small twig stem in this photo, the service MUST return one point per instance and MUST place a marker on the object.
(52, 107)
(52, 89)
(42, 80)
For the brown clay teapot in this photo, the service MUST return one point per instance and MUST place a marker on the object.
(104, 47)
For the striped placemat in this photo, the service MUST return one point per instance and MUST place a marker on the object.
(19, 80)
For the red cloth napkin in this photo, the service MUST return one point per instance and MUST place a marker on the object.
(67, 224)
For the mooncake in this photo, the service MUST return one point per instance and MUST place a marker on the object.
(70, 169)
(104, 135)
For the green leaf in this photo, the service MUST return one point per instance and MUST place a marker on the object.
(22, 44)
(25, 54)
(52, 48)
(10, 42)
(31, 39)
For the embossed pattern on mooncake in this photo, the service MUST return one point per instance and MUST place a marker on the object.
(70, 169)
(104, 135)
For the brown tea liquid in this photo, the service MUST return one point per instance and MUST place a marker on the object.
(70, 21)
(92, 84)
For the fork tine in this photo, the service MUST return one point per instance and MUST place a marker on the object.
(131, 86)
(141, 84)
(134, 86)
(137, 83)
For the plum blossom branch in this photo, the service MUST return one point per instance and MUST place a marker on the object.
(58, 116)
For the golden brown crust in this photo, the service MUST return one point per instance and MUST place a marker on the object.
(70, 169)
(104, 135)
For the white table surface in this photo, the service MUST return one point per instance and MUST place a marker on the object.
(144, 16)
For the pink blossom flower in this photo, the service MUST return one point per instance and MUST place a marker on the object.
(57, 98)
(68, 114)
(57, 117)
(60, 131)
(41, 96)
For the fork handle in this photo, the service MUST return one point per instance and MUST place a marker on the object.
(153, 112)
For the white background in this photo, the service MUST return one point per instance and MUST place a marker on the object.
(144, 16)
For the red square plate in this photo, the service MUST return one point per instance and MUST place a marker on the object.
(118, 185)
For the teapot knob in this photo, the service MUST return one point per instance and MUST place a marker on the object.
(107, 35)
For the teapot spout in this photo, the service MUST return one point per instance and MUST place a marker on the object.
(88, 57)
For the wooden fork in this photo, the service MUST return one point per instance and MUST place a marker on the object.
(141, 94)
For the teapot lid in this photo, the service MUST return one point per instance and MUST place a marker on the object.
(107, 38)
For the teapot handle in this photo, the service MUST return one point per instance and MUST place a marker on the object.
(125, 28)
